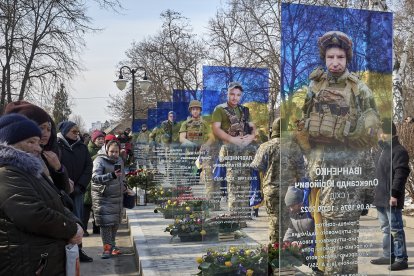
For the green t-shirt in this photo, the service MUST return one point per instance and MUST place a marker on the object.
(219, 115)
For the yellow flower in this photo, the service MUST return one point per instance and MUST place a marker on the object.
(162, 192)
(249, 272)
(228, 264)
(233, 250)
(177, 221)
(188, 208)
(248, 251)
(169, 201)
(199, 260)
(174, 203)
(203, 232)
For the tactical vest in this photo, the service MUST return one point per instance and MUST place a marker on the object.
(195, 131)
(237, 126)
(335, 111)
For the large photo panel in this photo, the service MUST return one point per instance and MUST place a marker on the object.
(336, 100)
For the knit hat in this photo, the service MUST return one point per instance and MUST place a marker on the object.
(293, 196)
(110, 137)
(96, 134)
(31, 111)
(65, 126)
(15, 128)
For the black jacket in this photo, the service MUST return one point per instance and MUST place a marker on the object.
(33, 220)
(77, 162)
(393, 160)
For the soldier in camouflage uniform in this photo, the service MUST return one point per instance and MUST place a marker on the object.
(168, 134)
(231, 124)
(194, 134)
(167, 130)
(342, 121)
(142, 145)
(270, 157)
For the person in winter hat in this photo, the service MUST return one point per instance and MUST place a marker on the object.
(35, 221)
(94, 145)
(107, 189)
(48, 141)
(78, 162)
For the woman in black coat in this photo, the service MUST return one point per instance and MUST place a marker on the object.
(34, 224)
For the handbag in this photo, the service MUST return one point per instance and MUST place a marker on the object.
(129, 198)
(72, 260)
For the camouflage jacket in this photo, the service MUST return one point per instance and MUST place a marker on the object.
(275, 153)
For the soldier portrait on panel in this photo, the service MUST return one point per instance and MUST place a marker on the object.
(232, 126)
(194, 132)
(168, 130)
(341, 121)
(142, 145)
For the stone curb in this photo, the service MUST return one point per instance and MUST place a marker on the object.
(143, 257)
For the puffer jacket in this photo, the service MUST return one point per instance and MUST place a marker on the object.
(34, 224)
(93, 151)
(107, 191)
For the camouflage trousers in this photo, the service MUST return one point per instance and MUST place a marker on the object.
(277, 212)
(341, 246)
(211, 185)
(237, 163)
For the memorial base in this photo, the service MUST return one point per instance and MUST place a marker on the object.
(285, 271)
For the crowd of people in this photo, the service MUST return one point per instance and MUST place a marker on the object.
(52, 179)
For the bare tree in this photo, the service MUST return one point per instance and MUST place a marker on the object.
(172, 59)
(78, 120)
(39, 45)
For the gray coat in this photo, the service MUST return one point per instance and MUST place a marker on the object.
(107, 191)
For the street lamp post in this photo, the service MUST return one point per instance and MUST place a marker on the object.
(144, 84)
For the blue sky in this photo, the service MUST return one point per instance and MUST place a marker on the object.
(91, 88)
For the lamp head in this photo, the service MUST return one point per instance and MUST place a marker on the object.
(121, 82)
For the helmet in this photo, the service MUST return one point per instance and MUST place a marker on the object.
(194, 103)
(336, 39)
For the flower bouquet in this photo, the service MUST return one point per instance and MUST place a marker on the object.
(290, 255)
(172, 208)
(191, 228)
(159, 195)
(140, 178)
(234, 261)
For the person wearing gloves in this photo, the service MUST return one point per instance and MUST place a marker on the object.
(78, 163)
(107, 189)
(34, 224)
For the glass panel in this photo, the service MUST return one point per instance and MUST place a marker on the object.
(336, 87)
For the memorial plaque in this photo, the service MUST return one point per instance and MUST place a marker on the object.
(336, 89)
